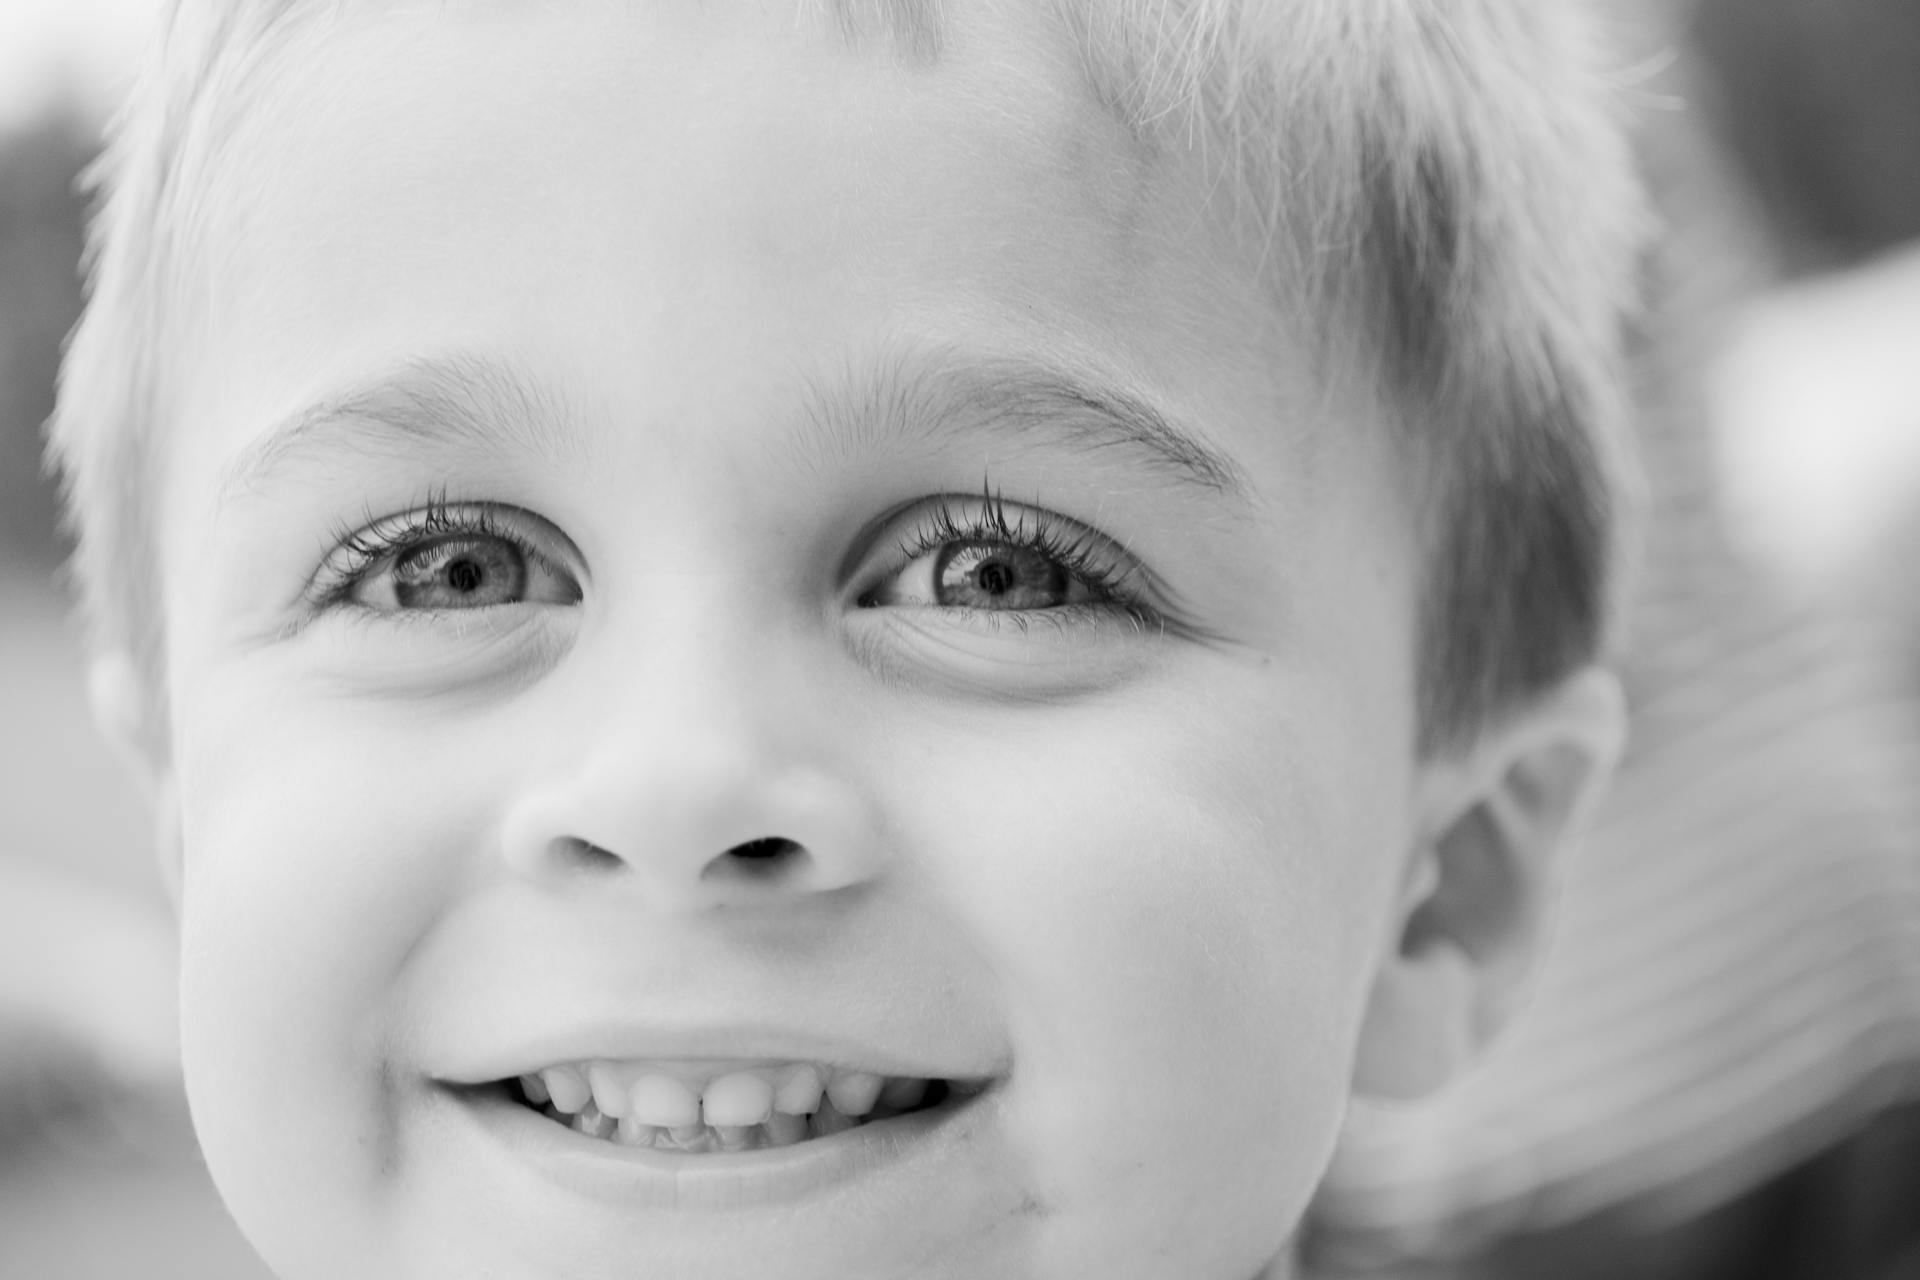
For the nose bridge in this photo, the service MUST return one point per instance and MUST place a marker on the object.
(704, 764)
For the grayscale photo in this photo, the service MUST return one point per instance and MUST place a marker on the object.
(960, 639)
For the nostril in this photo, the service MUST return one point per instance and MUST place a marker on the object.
(768, 862)
(765, 849)
(578, 853)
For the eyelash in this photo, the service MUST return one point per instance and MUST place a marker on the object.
(363, 549)
(1073, 547)
(1078, 550)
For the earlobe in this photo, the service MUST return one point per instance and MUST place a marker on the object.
(120, 707)
(1491, 822)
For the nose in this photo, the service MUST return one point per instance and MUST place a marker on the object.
(698, 802)
(694, 828)
(692, 843)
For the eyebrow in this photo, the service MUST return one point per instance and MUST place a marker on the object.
(1029, 400)
(483, 403)
(479, 402)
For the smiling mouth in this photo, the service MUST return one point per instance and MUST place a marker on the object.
(696, 1108)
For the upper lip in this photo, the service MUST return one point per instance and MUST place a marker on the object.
(508, 985)
(716, 1044)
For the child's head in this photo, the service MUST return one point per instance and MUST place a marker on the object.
(1055, 549)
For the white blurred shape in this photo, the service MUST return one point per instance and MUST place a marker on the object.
(86, 939)
(1816, 403)
(79, 52)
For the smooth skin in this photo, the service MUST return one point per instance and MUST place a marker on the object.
(1148, 862)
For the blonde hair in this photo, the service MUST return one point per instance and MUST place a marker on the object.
(1445, 179)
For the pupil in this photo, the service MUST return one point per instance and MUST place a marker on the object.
(995, 578)
(464, 576)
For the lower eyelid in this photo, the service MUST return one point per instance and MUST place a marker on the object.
(911, 656)
(433, 656)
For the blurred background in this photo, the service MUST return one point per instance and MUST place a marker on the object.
(1781, 391)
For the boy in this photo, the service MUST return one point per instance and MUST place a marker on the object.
(844, 639)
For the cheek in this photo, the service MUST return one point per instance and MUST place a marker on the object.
(319, 849)
(1183, 908)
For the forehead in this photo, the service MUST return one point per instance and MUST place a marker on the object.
(410, 103)
(434, 176)
(1002, 96)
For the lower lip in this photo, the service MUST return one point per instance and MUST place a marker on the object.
(639, 1177)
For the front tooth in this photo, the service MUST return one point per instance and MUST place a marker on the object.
(903, 1092)
(663, 1101)
(567, 1087)
(799, 1093)
(854, 1092)
(829, 1120)
(536, 1090)
(784, 1129)
(610, 1093)
(736, 1099)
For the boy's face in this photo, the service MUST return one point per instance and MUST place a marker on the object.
(644, 372)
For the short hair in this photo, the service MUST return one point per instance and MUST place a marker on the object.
(1447, 179)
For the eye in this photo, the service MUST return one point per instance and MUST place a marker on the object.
(997, 575)
(457, 572)
(446, 557)
(984, 555)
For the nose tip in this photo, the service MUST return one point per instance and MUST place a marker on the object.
(810, 835)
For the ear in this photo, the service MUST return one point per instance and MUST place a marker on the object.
(122, 711)
(1467, 931)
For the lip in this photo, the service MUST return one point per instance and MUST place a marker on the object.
(743, 1046)
(631, 1178)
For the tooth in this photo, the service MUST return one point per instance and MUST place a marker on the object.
(738, 1098)
(635, 1134)
(567, 1087)
(829, 1120)
(536, 1090)
(735, 1137)
(854, 1092)
(784, 1129)
(610, 1093)
(799, 1093)
(692, 1137)
(592, 1123)
(903, 1092)
(664, 1101)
